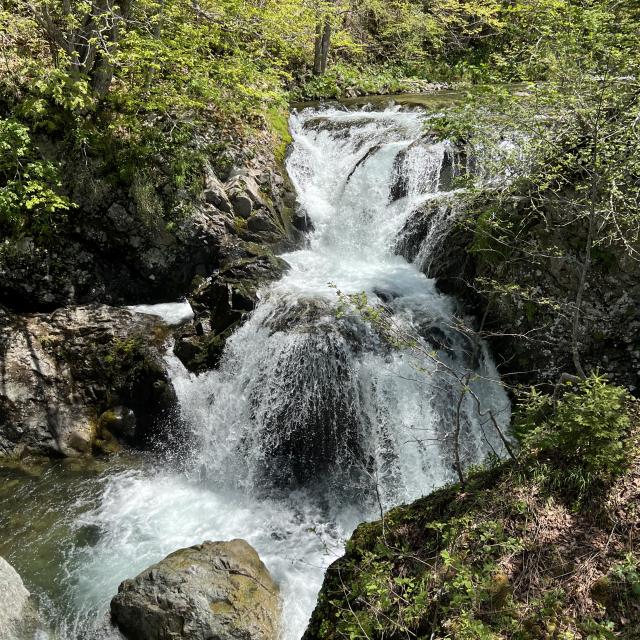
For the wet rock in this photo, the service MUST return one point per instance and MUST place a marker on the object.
(448, 170)
(69, 375)
(119, 422)
(316, 429)
(14, 604)
(218, 590)
(261, 222)
(199, 353)
(220, 304)
(301, 221)
(399, 187)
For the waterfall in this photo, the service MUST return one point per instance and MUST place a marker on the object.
(314, 420)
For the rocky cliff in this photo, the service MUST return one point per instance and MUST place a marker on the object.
(81, 375)
(523, 289)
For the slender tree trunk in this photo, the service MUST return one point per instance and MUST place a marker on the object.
(157, 33)
(322, 44)
(101, 72)
(586, 264)
(317, 54)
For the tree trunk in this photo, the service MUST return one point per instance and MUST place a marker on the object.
(324, 46)
(323, 41)
(157, 34)
(101, 70)
(593, 213)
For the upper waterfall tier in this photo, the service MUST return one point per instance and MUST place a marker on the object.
(358, 176)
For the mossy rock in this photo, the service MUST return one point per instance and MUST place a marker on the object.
(216, 590)
(200, 353)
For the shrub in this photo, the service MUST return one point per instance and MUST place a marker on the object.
(583, 434)
(30, 198)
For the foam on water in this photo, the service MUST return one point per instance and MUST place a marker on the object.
(310, 417)
(173, 313)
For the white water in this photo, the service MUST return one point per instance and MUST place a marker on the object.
(309, 412)
(172, 313)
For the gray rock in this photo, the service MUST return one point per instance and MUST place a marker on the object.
(261, 222)
(215, 590)
(242, 205)
(214, 192)
(243, 187)
(238, 171)
(60, 371)
(119, 216)
(14, 604)
(220, 304)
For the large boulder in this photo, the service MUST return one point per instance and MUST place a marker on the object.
(80, 379)
(212, 591)
(14, 604)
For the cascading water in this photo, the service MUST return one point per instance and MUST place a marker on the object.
(314, 421)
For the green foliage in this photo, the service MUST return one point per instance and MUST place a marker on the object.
(477, 564)
(583, 434)
(30, 202)
(493, 234)
(623, 590)
(343, 79)
(278, 122)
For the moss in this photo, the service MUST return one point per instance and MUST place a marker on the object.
(106, 446)
(128, 359)
(278, 122)
(602, 590)
(201, 353)
(240, 224)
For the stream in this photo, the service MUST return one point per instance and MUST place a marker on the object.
(314, 421)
